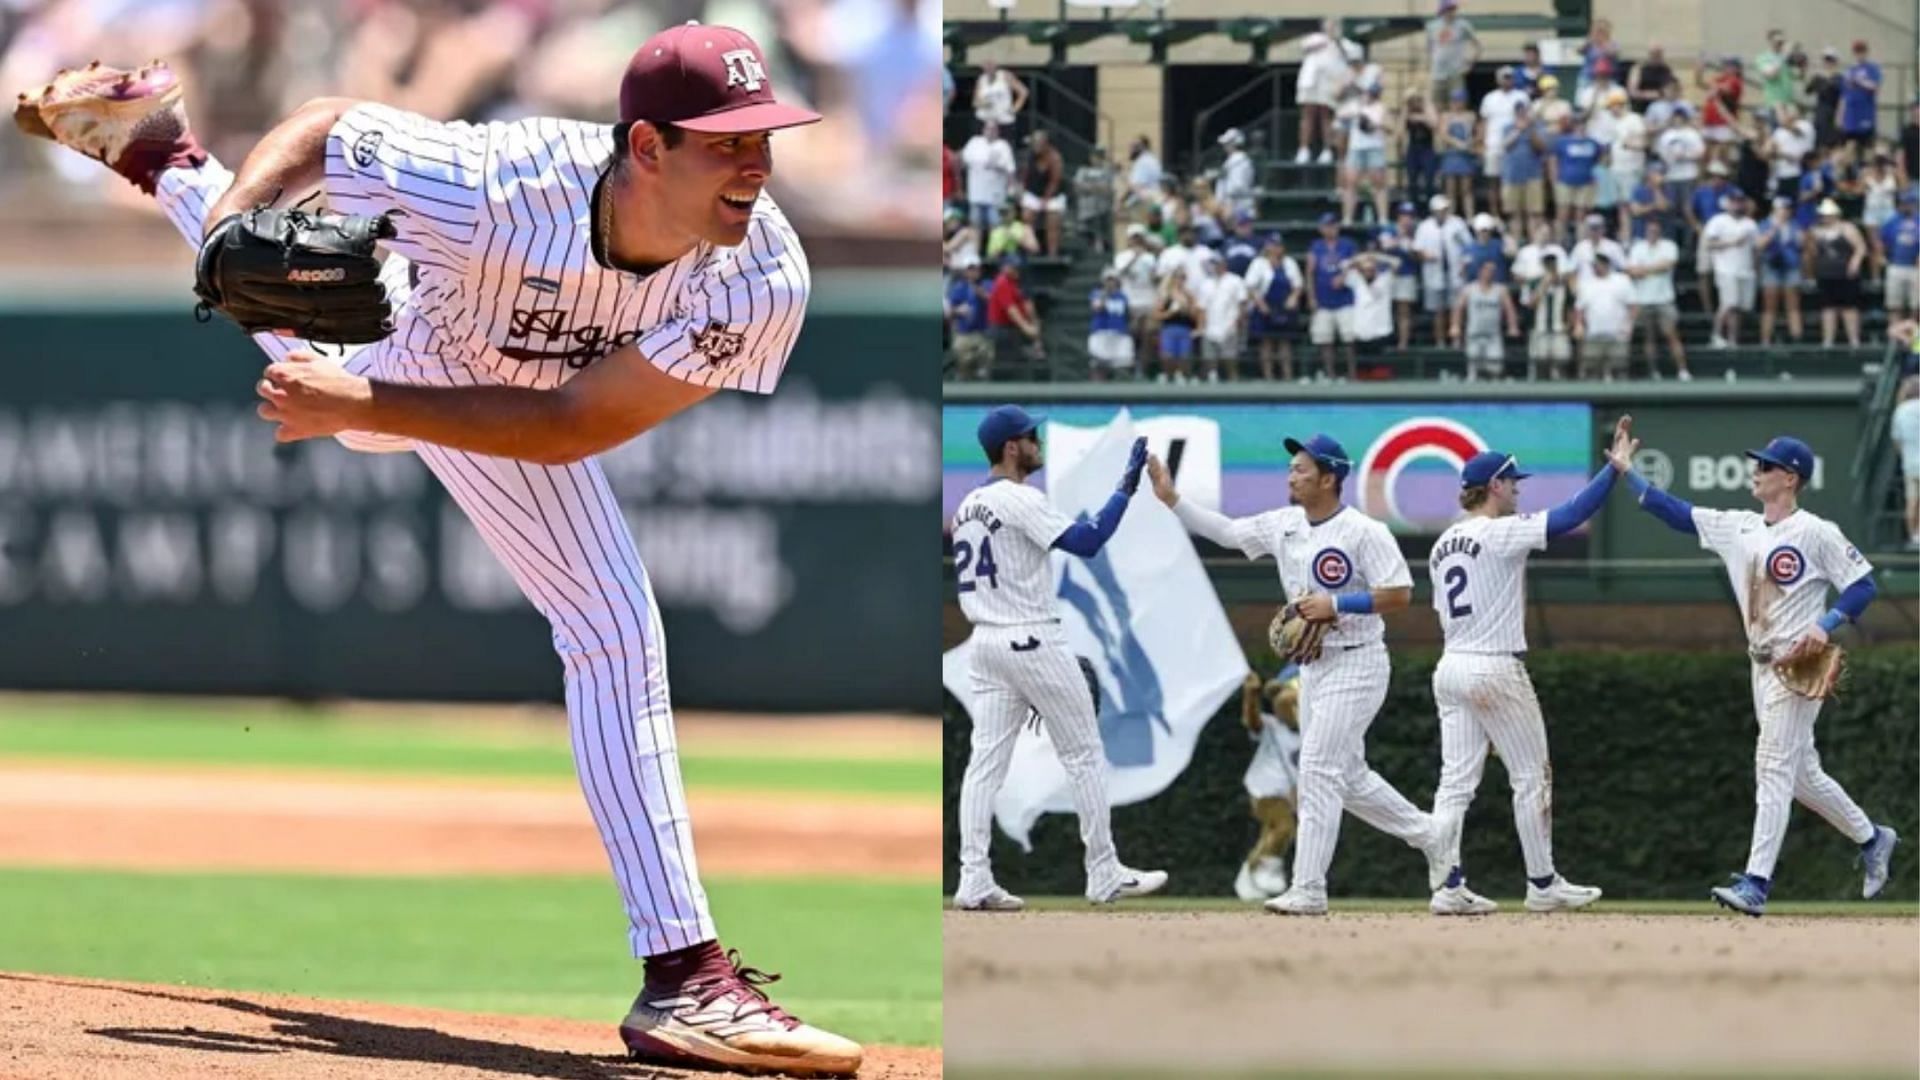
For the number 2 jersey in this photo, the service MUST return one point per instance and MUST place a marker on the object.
(1002, 534)
(1780, 572)
(1479, 572)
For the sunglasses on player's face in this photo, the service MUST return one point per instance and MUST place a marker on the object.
(1765, 466)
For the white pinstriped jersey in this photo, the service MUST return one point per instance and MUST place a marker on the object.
(1347, 553)
(1002, 534)
(1780, 572)
(496, 224)
(1479, 573)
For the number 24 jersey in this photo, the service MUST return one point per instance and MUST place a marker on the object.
(1002, 534)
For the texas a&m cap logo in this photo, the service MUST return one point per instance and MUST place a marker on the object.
(710, 79)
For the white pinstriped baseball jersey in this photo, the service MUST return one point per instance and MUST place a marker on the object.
(497, 220)
(1347, 553)
(1479, 573)
(1780, 572)
(494, 281)
(1002, 534)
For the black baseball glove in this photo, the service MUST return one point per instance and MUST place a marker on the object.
(313, 275)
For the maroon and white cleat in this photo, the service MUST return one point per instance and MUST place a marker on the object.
(727, 1022)
(134, 121)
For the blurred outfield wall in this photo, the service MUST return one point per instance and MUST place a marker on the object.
(154, 538)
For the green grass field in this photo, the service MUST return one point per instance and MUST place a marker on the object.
(1509, 905)
(282, 737)
(859, 956)
(863, 957)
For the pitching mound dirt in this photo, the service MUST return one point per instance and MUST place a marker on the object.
(72, 1029)
(1214, 990)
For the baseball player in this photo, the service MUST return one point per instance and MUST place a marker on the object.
(1003, 533)
(1781, 562)
(1340, 566)
(1478, 569)
(557, 288)
(1270, 779)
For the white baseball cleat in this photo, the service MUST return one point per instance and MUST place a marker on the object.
(1135, 883)
(728, 1022)
(1562, 895)
(1461, 900)
(994, 899)
(1299, 901)
(1270, 875)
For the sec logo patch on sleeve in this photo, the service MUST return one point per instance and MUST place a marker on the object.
(366, 149)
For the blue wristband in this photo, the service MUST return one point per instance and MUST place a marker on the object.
(1832, 619)
(1354, 603)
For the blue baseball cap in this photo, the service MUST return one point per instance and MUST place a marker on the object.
(1787, 452)
(1490, 465)
(1329, 455)
(1004, 424)
(1329, 218)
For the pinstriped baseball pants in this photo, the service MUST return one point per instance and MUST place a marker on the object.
(559, 532)
(1015, 667)
(1786, 767)
(1488, 699)
(1340, 693)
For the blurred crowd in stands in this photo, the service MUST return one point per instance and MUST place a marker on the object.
(1559, 225)
(872, 66)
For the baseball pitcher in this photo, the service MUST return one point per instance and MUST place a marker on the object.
(552, 288)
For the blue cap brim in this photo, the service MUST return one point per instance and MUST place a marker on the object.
(1762, 455)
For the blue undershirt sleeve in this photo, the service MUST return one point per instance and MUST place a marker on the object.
(1086, 538)
(1573, 513)
(1677, 513)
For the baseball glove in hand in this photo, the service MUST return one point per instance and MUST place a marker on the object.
(312, 275)
(1814, 675)
(1294, 637)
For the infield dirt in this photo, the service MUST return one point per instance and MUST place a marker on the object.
(78, 1029)
(1188, 992)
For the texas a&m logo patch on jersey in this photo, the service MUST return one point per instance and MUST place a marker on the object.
(1332, 568)
(718, 344)
(1785, 564)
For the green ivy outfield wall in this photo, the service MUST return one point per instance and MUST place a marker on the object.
(1652, 786)
(154, 538)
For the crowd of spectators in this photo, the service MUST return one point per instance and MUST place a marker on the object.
(1563, 220)
(871, 66)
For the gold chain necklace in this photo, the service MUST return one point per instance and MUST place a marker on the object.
(606, 220)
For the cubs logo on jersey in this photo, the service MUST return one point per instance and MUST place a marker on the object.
(1332, 568)
(1785, 564)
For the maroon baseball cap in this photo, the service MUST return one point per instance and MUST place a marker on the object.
(704, 78)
